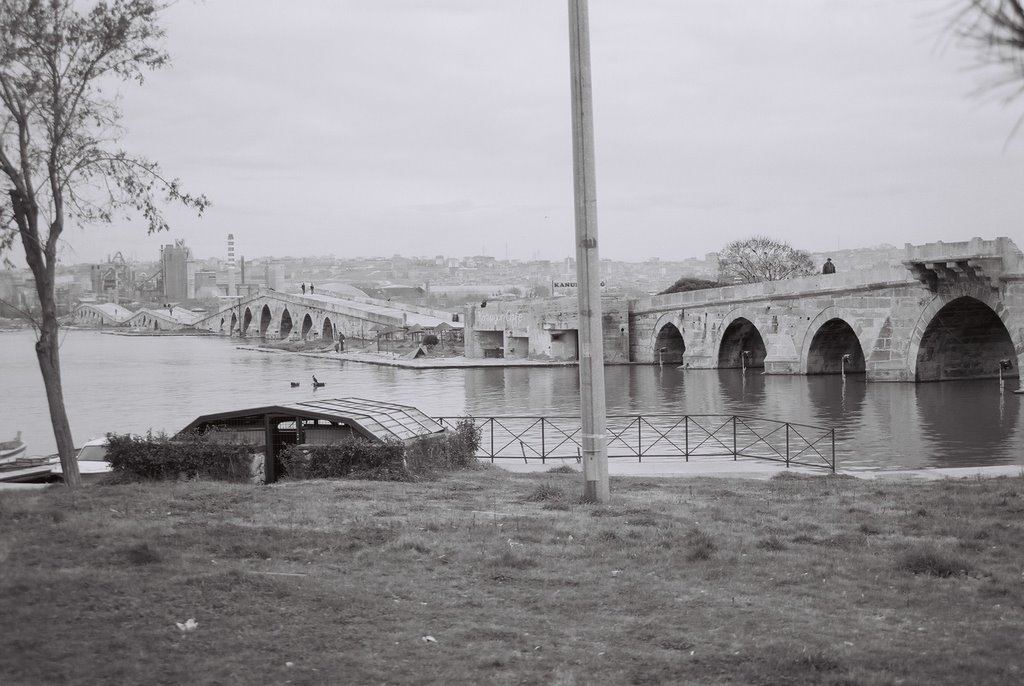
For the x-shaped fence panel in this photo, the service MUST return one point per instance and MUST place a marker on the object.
(657, 436)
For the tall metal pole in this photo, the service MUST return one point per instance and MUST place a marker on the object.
(588, 279)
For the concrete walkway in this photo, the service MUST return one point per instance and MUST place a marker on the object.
(740, 469)
(753, 469)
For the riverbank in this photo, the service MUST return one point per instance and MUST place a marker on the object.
(404, 361)
(492, 577)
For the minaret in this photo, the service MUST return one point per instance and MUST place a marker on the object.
(232, 288)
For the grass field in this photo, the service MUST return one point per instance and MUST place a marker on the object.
(491, 577)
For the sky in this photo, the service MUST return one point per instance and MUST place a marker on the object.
(360, 128)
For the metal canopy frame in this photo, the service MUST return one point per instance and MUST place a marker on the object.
(372, 418)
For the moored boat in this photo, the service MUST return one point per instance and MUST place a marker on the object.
(12, 450)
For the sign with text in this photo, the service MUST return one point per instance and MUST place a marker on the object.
(566, 287)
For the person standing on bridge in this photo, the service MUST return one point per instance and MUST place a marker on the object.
(303, 288)
(311, 289)
(828, 267)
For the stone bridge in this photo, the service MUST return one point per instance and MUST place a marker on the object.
(275, 315)
(951, 311)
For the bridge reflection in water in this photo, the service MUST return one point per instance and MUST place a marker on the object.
(963, 423)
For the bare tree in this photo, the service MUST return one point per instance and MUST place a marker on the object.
(59, 125)
(762, 259)
(995, 29)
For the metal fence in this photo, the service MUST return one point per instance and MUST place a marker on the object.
(657, 436)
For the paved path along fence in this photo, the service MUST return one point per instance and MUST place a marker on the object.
(658, 436)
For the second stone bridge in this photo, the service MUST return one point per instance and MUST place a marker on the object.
(949, 311)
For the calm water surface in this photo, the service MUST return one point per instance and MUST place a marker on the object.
(133, 384)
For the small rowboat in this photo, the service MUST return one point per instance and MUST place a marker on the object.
(12, 450)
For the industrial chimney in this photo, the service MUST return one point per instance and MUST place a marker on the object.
(232, 288)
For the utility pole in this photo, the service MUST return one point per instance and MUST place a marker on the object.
(588, 278)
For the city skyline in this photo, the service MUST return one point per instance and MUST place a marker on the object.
(370, 129)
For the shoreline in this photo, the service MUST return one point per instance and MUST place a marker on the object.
(395, 360)
(751, 471)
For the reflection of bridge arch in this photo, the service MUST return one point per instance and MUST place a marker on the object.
(739, 337)
(962, 337)
(307, 325)
(828, 337)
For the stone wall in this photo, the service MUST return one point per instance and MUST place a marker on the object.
(549, 329)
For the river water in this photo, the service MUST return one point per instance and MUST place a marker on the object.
(134, 384)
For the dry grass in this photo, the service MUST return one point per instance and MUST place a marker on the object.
(823, 580)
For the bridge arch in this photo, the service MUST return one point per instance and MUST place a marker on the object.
(661, 337)
(246, 321)
(834, 349)
(740, 338)
(221, 327)
(328, 330)
(828, 337)
(266, 316)
(669, 345)
(963, 336)
(234, 323)
(307, 325)
(286, 324)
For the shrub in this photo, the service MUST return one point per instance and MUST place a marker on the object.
(354, 457)
(189, 457)
(453, 450)
(544, 492)
(430, 339)
(933, 562)
(701, 545)
(360, 458)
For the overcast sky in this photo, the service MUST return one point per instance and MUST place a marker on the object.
(426, 127)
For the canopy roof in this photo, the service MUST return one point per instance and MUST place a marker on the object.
(373, 418)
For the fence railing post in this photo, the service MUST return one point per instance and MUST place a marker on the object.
(787, 445)
(734, 449)
(491, 422)
(686, 436)
(639, 439)
(833, 451)
(543, 452)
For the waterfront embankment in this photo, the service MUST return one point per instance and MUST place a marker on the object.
(406, 361)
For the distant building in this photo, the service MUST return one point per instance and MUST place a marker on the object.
(179, 271)
(274, 276)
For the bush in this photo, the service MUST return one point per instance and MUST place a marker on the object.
(932, 562)
(701, 545)
(189, 457)
(454, 449)
(355, 457)
(360, 458)
(431, 339)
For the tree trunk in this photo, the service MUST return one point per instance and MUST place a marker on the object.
(48, 352)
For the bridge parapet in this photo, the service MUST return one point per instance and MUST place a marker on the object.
(794, 288)
(943, 265)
